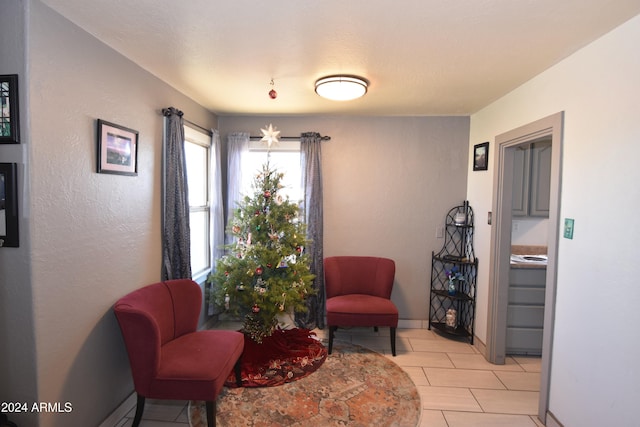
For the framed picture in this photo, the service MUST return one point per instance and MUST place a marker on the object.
(117, 149)
(9, 205)
(481, 156)
(9, 113)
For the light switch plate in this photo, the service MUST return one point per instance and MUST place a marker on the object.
(568, 228)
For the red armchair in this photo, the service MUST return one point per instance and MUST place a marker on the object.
(169, 359)
(358, 291)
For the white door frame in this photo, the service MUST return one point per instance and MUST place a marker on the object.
(499, 265)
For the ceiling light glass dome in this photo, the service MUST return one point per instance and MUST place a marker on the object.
(341, 88)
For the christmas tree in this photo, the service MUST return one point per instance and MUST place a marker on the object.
(265, 272)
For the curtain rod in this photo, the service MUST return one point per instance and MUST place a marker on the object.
(171, 110)
(207, 131)
(288, 138)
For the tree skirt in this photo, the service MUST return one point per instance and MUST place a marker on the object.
(285, 356)
(354, 387)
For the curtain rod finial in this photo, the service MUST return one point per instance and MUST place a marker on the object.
(171, 110)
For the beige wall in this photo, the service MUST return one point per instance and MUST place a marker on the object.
(594, 375)
(388, 183)
(93, 237)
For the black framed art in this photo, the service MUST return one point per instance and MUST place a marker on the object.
(9, 205)
(9, 112)
(117, 149)
(481, 156)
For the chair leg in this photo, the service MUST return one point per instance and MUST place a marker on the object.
(139, 411)
(238, 369)
(393, 341)
(375, 329)
(211, 413)
(332, 330)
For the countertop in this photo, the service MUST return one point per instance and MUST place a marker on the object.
(528, 250)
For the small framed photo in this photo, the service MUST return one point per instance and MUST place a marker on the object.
(9, 205)
(481, 156)
(9, 113)
(117, 149)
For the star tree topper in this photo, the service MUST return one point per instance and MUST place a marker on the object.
(270, 135)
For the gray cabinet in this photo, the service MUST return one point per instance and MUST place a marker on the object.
(525, 310)
(532, 179)
(521, 181)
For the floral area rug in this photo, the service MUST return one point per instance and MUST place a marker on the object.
(354, 387)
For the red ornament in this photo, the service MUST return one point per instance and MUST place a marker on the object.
(259, 271)
(255, 308)
(273, 94)
(267, 194)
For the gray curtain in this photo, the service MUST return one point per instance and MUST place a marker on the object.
(176, 237)
(237, 144)
(311, 168)
(217, 208)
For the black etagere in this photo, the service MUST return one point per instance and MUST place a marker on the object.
(452, 306)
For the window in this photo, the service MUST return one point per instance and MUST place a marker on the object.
(197, 147)
(284, 157)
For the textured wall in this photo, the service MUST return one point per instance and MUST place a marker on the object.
(18, 380)
(95, 236)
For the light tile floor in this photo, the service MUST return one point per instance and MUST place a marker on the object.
(458, 387)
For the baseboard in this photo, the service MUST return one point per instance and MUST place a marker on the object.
(552, 421)
(480, 346)
(119, 413)
(410, 324)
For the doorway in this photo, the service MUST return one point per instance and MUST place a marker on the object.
(504, 155)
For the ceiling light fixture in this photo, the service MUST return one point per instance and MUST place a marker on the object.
(341, 88)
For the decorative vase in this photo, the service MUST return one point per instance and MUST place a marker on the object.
(460, 218)
(452, 287)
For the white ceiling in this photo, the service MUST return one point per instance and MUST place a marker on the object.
(422, 57)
